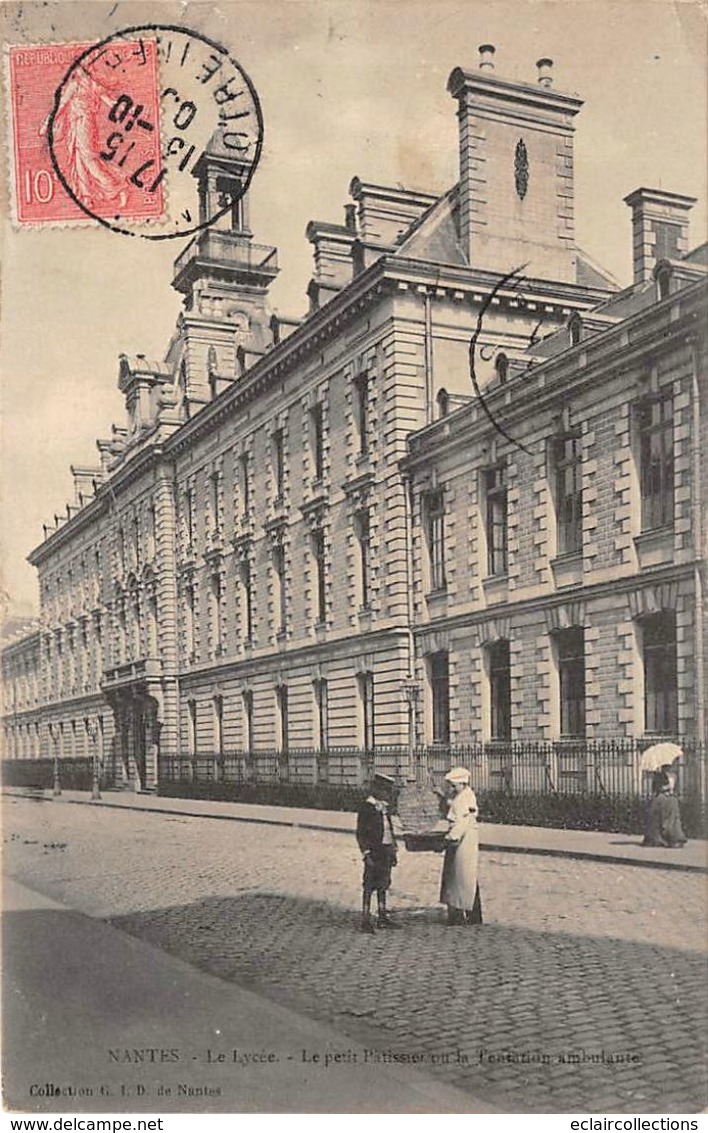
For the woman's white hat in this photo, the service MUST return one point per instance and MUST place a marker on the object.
(458, 775)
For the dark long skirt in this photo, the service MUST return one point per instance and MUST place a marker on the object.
(663, 826)
(467, 916)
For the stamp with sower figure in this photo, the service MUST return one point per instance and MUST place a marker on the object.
(113, 132)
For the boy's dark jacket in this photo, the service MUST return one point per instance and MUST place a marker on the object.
(370, 827)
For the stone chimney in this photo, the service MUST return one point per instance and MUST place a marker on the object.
(659, 228)
(516, 195)
(545, 72)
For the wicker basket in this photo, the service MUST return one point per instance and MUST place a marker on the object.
(419, 809)
(426, 840)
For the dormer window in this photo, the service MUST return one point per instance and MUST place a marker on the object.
(501, 365)
(662, 274)
(575, 329)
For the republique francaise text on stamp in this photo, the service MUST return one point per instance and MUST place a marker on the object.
(114, 131)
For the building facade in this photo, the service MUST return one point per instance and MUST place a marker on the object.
(558, 540)
(284, 564)
(21, 697)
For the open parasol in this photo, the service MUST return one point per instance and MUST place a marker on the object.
(658, 755)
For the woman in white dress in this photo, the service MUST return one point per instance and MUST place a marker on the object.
(460, 885)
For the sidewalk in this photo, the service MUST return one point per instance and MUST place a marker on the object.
(622, 849)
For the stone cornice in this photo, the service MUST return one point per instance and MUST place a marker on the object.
(135, 467)
(256, 664)
(529, 95)
(389, 271)
(579, 365)
(620, 584)
(442, 280)
(20, 644)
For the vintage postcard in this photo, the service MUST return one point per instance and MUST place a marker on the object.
(355, 626)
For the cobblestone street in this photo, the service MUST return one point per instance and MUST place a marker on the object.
(585, 990)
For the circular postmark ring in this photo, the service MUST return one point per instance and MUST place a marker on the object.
(164, 36)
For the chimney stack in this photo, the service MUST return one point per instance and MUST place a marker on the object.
(516, 185)
(659, 228)
(486, 56)
(545, 72)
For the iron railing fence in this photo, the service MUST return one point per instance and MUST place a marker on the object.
(598, 767)
(74, 773)
(604, 768)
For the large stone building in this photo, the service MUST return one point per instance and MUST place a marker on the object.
(21, 695)
(557, 537)
(285, 560)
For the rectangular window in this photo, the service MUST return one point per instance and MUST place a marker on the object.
(656, 446)
(496, 519)
(278, 443)
(122, 642)
(321, 702)
(189, 620)
(248, 727)
(280, 602)
(247, 601)
(244, 464)
(440, 688)
(660, 681)
(567, 468)
(215, 601)
(500, 690)
(214, 500)
(135, 524)
(317, 427)
(361, 411)
(281, 698)
(571, 672)
(219, 725)
(366, 693)
(435, 537)
(318, 551)
(363, 524)
(188, 516)
(153, 647)
(192, 727)
(152, 531)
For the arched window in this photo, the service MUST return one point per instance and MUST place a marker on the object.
(575, 329)
(663, 274)
(501, 365)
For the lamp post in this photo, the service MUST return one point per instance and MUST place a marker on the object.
(411, 691)
(92, 733)
(54, 733)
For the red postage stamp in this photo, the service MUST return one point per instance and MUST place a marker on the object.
(85, 133)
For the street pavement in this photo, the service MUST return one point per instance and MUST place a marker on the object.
(585, 990)
(111, 1024)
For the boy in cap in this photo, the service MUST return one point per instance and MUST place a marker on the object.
(374, 833)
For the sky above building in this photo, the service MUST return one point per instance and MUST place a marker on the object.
(347, 88)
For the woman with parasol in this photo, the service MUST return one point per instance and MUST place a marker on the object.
(663, 824)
